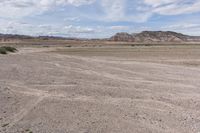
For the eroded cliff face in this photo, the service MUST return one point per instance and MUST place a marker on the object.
(123, 37)
(155, 36)
(145, 36)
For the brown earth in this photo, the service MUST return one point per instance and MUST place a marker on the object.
(101, 90)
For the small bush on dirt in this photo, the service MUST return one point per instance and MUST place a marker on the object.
(3, 51)
(10, 49)
(28, 131)
(4, 125)
(6, 49)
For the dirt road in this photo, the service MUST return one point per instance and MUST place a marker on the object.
(100, 90)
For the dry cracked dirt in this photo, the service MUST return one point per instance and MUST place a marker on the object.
(101, 90)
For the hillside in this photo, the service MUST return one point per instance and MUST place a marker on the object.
(145, 36)
(155, 36)
(12, 37)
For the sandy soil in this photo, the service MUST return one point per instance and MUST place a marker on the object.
(101, 90)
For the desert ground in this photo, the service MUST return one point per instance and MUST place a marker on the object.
(123, 89)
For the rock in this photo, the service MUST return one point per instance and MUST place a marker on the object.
(154, 36)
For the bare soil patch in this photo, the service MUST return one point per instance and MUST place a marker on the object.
(108, 90)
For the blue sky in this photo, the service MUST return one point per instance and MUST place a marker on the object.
(98, 18)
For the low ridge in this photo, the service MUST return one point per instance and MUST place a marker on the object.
(155, 36)
(145, 36)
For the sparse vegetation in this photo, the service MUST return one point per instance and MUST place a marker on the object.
(3, 51)
(6, 49)
(28, 131)
(5, 125)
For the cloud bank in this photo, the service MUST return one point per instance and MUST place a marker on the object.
(81, 14)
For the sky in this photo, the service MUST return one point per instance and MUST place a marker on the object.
(98, 18)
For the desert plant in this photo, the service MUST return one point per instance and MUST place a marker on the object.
(10, 49)
(6, 49)
(4, 125)
(3, 51)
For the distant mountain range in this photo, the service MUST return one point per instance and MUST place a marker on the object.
(154, 36)
(145, 36)
(25, 37)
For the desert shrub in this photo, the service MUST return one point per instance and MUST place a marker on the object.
(10, 49)
(4, 125)
(3, 51)
(6, 49)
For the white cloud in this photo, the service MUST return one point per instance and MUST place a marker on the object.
(74, 19)
(114, 9)
(181, 26)
(118, 27)
(13, 27)
(185, 28)
(77, 29)
(141, 11)
(78, 2)
(176, 9)
(173, 7)
(156, 3)
(21, 8)
(108, 11)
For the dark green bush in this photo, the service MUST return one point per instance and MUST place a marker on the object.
(3, 51)
(10, 49)
(6, 49)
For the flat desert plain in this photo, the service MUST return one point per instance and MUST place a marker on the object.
(154, 89)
